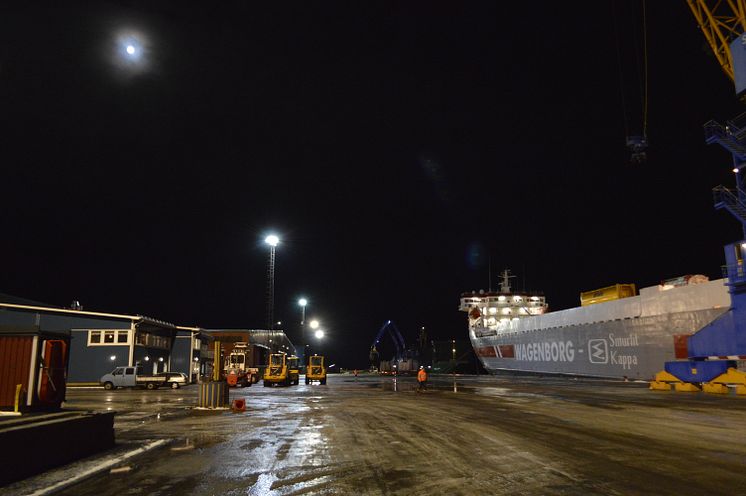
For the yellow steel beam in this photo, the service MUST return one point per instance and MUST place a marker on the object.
(664, 376)
(732, 376)
(721, 21)
(660, 386)
(18, 396)
(714, 388)
(216, 362)
(687, 387)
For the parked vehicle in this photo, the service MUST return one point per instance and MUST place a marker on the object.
(238, 369)
(131, 377)
(316, 370)
(174, 380)
(282, 370)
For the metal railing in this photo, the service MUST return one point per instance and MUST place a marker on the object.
(730, 136)
(724, 197)
(735, 273)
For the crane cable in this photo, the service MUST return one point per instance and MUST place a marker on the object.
(619, 66)
(645, 69)
(636, 144)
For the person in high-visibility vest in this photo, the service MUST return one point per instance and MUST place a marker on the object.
(422, 379)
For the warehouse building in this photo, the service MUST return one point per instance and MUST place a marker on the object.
(100, 341)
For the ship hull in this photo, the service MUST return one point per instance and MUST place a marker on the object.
(630, 338)
(634, 348)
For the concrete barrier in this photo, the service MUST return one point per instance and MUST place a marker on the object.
(35, 443)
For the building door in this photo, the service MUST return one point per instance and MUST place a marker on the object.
(128, 380)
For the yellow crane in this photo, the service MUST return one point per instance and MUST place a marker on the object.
(721, 22)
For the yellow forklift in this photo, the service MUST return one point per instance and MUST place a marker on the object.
(316, 370)
(282, 370)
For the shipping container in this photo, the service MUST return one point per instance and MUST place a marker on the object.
(33, 370)
(609, 293)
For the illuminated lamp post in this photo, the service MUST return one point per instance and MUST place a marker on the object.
(272, 240)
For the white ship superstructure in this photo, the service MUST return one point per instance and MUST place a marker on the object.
(502, 310)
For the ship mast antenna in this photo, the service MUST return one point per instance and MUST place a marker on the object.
(489, 273)
(505, 282)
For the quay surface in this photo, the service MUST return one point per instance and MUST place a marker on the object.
(378, 435)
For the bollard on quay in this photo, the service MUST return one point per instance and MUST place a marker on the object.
(214, 393)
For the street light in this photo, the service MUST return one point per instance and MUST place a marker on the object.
(272, 240)
(319, 334)
(314, 324)
(302, 302)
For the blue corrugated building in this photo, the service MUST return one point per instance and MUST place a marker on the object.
(192, 352)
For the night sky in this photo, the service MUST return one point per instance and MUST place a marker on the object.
(397, 148)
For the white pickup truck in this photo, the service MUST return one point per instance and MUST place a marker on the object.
(131, 377)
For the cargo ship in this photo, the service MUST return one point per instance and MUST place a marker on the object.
(616, 332)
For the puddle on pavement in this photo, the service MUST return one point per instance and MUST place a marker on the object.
(195, 442)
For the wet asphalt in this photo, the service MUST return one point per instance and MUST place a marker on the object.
(465, 435)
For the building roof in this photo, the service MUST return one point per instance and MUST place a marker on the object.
(85, 313)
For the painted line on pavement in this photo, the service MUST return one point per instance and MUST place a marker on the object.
(97, 468)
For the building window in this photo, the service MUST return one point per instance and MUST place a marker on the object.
(197, 343)
(104, 337)
(153, 340)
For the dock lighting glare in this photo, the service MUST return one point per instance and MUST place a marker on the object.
(129, 51)
(113, 357)
(314, 324)
(160, 359)
(319, 334)
(147, 358)
(735, 170)
(303, 302)
(196, 359)
(272, 240)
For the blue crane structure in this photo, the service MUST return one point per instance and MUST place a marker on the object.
(714, 350)
(732, 137)
(396, 337)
